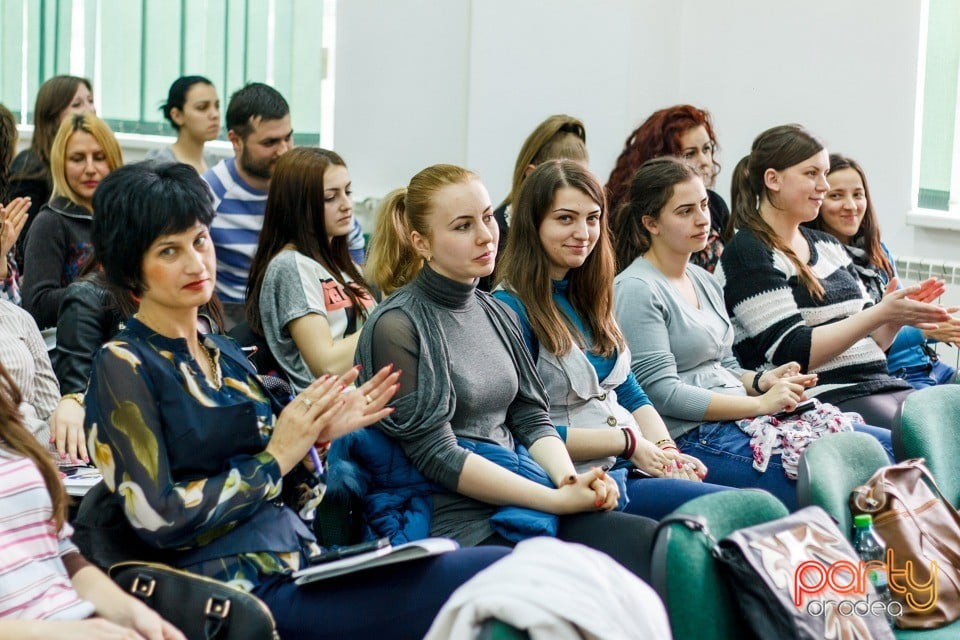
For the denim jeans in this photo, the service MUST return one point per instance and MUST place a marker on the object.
(725, 449)
(398, 601)
(656, 497)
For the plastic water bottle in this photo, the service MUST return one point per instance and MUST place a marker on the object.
(870, 546)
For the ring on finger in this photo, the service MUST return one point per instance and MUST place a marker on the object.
(307, 401)
(368, 399)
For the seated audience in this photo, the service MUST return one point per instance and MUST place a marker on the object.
(792, 293)
(47, 589)
(469, 393)
(685, 132)
(193, 110)
(306, 296)
(557, 275)
(847, 214)
(207, 491)
(681, 338)
(83, 153)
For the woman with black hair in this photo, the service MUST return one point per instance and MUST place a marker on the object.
(194, 450)
(193, 110)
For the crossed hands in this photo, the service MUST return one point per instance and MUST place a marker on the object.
(593, 490)
(668, 462)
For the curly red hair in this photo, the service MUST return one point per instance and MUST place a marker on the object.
(659, 135)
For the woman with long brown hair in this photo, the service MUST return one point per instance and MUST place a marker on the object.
(47, 589)
(791, 291)
(847, 214)
(30, 173)
(557, 275)
(305, 293)
(469, 392)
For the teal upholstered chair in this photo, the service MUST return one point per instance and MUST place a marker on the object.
(929, 428)
(688, 578)
(834, 465)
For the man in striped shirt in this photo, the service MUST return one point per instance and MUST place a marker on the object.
(258, 125)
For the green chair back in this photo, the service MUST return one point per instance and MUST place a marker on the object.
(929, 428)
(832, 466)
(688, 578)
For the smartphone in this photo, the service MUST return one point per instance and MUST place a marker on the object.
(339, 553)
(806, 405)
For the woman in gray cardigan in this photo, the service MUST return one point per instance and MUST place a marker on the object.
(674, 320)
(467, 380)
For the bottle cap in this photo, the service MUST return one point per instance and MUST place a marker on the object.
(863, 520)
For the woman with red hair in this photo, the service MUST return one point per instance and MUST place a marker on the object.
(686, 132)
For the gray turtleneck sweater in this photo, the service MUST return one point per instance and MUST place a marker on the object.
(476, 382)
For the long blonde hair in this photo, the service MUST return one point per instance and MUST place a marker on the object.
(88, 123)
(392, 260)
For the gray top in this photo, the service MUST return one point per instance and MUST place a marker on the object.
(681, 354)
(165, 154)
(466, 373)
(294, 286)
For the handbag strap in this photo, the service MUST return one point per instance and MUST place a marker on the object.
(215, 613)
(918, 463)
(695, 523)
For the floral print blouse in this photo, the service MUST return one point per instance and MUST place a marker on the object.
(187, 459)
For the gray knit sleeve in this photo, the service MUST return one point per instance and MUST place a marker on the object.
(644, 317)
(421, 419)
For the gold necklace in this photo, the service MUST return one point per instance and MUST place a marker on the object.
(214, 371)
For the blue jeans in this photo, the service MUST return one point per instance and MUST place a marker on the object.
(656, 497)
(398, 601)
(725, 449)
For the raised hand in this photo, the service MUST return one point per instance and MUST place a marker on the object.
(901, 308)
(362, 406)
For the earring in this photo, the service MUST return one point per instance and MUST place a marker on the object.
(429, 258)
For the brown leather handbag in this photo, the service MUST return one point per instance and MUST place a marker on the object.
(922, 532)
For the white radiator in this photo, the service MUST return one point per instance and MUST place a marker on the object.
(913, 270)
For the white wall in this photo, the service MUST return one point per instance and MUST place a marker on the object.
(426, 81)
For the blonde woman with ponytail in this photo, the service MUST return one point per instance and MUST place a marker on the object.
(792, 292)
(469, 393)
